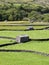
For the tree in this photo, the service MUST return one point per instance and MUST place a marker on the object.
(45, 10)
(10, 18)
(35, 16)
(46, 17)
(27, 7)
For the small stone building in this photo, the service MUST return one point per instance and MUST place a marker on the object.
(30, 28)
(22, 38)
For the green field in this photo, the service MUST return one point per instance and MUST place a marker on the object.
(42, 46)
(24, 58)
(10, 25)
(28, 53)
(3, 41)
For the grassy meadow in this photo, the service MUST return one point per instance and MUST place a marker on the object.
(24, 58)
(42, 46)
(10, 25)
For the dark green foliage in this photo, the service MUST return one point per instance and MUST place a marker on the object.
(35, 16)
(16, 12)
(46, 17)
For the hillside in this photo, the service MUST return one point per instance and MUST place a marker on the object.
(24, 10)
(26, 1)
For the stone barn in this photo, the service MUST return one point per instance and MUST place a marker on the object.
(30, 28)
(22, 38)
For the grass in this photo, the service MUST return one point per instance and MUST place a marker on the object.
(7, 25)
(21, 22)
(19, 27)
(36, 46)
(3, 41)
(32, 34)
(32, 45)
(22, 59)
(14, 22)
(13, 27)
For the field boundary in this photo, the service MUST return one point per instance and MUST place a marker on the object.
(7, 37)
(24, 25)
(36, 39)
(8, 44)
(29, 51)
(46, 28)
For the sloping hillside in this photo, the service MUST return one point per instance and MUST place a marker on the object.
(16, 0)
(16, 10)
(26, 1)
